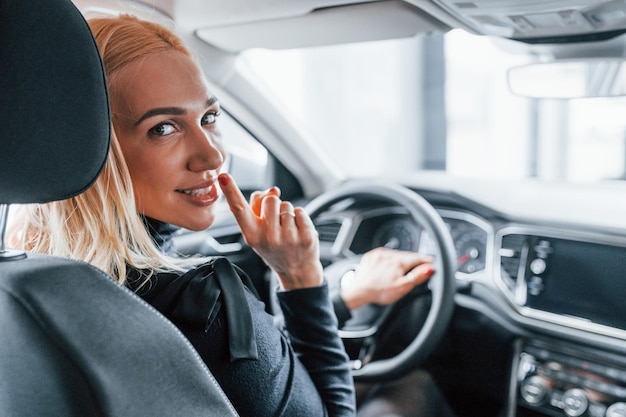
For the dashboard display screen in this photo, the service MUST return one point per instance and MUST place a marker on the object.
(580, 279)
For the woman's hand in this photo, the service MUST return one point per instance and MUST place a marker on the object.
(384, 276)
(283, 236)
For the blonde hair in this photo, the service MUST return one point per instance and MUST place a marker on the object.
(101, 226)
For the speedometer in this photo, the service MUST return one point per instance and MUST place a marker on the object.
(398, 233)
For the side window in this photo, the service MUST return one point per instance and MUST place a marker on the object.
(248, 161)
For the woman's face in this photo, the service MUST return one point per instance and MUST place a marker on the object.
(165, 120)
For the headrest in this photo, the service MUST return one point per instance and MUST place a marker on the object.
(54, 110)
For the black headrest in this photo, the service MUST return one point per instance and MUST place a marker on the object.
(54, 110)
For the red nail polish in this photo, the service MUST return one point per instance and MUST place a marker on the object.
(223, 179)
(429, 271)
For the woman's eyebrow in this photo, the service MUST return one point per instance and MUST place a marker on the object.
(176, 111)
(211, 101)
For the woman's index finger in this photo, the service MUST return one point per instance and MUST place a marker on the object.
(236, 201)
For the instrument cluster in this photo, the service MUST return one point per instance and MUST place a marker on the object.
(471, 236)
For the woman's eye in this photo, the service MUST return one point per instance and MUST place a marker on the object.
(162, 129)
(210, 118)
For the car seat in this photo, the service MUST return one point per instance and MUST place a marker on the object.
(73, 342)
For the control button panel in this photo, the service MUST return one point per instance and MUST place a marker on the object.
(558, 383)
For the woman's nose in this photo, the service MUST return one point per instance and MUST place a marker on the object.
(206, 151)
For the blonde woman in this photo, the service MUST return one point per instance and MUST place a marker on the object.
(164, 168)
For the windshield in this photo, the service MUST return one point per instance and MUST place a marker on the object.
(441, 102)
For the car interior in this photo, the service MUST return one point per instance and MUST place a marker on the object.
(488, 134)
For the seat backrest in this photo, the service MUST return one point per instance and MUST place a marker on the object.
(73, 342)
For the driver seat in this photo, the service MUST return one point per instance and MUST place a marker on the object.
(74, 342)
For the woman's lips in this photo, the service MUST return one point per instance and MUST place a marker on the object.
(204, 195)
(197, 191)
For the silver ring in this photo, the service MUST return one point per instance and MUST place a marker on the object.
(291, 213)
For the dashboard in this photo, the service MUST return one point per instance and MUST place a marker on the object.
(576, 279)
(557, 289)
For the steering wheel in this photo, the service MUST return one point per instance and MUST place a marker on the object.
(441, 285)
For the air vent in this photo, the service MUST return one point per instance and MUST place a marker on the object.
(511, 251)
(328, 231)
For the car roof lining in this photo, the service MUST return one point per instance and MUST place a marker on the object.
(237, 25)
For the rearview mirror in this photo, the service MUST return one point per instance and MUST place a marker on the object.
(581, 78)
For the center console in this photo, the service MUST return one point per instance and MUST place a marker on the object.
(563, 380)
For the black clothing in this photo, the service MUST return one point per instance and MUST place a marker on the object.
(341, 309)
(161, 234)
(193, 300)
(298, 371)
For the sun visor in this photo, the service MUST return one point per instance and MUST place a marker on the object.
(325, 26)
